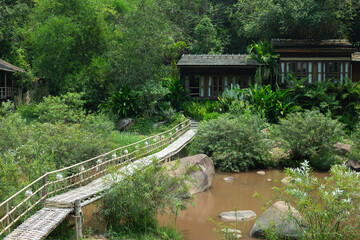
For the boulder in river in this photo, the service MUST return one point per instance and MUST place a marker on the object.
(231, 233)
(260, 172)
(156, 125)
(244, 215)
(286, 180)
(280, 216)
(353, 165)
(229, 179)
(125, 123)
(202, 177)
(342, 148)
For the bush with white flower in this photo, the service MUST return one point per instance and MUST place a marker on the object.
(330, 207)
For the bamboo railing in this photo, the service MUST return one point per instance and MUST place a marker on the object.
(49, 184)
(6, 92)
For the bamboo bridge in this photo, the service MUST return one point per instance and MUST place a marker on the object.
(63, 192)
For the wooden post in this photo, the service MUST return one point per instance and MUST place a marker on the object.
(8, 216)
(44, 190)
(78, 220)
(5, 87)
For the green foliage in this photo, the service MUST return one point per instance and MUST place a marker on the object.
(299, 19)
(263, 54)
(76, 38)
(339, 99)
(177, 94)
(164, 232)
(67, 108)
(206, 39)
(198, 109)
(122, 103)
(310, 136)
(131, 205)
(149, 97)
(145, 41)
(59, 134)
(329, 207)
(212, 115)
(235, 143)
(261, 100)
(146, 125)
(10, 175)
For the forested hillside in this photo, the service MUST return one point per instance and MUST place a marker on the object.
(100, 46)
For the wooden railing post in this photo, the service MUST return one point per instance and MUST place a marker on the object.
(8, 216)
(78, 220)
(44, 186)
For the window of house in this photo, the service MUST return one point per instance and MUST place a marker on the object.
(319, 71)
(209, 88)
(315, 71)
(186, 82)
(347, 70)
(310, 73)
(282, 74)
(233, 81)
(202, 85)
(220, 85)
(194, 85)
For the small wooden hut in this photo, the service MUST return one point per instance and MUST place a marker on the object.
(207, 76)
(7, 89)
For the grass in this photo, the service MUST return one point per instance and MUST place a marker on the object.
(164, 232)
(125, 138)
(144, 126)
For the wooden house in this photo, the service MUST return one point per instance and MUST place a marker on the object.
(7, 89)
(207, 76)
(317, 60)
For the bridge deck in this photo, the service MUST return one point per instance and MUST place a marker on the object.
(58, 207)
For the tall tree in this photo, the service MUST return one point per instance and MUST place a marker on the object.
(263, 53)
(206, 39)
(301, 19)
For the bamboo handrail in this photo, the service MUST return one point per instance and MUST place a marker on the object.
(81, 173)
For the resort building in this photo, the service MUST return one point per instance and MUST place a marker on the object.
(207, 76)
(7, 89)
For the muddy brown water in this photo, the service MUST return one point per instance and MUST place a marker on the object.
(194, 224)
(224, 196)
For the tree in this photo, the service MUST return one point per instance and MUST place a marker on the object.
(300, 19)
(263, 53)
(143, 47)
(206, 40)
(66, 41)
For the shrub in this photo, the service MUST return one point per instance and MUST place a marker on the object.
(310, 136)
(131, 205)
(177, 94)
(66, 108)
(235, 143)
(198, 109)
(213, 115)
(271, 104)
(329, 207)
(340, 99)
(122, 103)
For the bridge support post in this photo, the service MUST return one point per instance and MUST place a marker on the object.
(44, 190)
(8, 216)
(78, 220)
